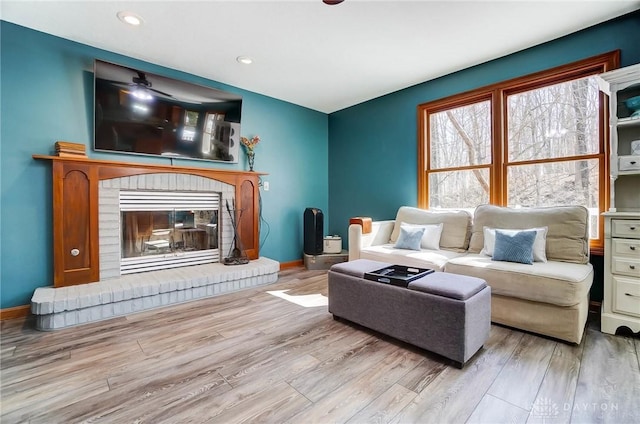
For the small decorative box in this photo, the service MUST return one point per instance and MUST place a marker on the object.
(332, 244)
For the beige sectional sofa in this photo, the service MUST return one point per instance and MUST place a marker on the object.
(549, 298)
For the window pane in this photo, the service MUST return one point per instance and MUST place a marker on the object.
(555, 184)
(190, 125)
(459, 189)
(559, 120)
(461, 136)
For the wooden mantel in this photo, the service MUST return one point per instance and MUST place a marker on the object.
(75, 209)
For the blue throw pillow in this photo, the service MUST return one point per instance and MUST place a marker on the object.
(410, 238)
(514, 246)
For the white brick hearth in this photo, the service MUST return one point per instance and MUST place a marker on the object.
(62, 307)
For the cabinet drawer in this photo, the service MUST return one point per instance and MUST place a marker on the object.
(626, 247)
(629, 163)
(625, 228)
(627, 296)
(625, 266)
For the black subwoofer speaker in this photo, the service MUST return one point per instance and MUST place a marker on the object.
(313, 231)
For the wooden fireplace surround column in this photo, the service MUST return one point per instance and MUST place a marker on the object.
(75, 210)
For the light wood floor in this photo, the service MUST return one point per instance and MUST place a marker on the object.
(254, 357)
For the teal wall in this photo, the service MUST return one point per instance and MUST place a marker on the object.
(357, 161)
(46, 95)
(373, 145)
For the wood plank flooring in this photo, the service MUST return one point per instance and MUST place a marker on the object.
(254, 357)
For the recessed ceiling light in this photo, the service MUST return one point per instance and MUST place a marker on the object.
(245, 60)
(130, 18)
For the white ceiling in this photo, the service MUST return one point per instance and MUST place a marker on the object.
(305, 52)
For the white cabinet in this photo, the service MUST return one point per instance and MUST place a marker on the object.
(621, 85)
(621, 302)
(621, 297)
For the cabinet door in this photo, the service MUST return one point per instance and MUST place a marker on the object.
(75, 224)
(627, 296)
(247, 193)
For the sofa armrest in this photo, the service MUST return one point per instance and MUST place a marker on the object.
(380, 234)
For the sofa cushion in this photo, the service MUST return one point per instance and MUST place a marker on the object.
(431, 236)
(410, 238)
(455, 229)
(434, 259)
(539, 245)
(568, 229)
(557, 283)
(514, 246)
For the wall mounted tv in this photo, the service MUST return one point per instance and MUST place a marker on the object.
(138, 112)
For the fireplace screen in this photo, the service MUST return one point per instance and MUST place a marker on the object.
(147, 233)
(162, 230)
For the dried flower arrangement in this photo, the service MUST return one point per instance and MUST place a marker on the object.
(250, 144)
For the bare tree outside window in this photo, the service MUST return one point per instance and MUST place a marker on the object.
(536, 140)
(461, 138)
(458, 189)
(558, 121)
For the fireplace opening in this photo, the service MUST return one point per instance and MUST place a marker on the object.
(159, 232)
(168, 229)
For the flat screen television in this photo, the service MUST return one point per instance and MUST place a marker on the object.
(137, 112)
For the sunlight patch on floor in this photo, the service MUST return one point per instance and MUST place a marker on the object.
(307, 300)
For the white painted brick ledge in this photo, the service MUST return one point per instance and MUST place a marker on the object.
(62, 307)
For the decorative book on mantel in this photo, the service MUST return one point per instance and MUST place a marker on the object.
(67, 149)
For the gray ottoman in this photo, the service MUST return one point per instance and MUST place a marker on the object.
(447, 314)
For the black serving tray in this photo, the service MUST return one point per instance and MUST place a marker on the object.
(397, 275)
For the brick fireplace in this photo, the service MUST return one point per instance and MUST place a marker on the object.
(182, 205)
(94, 279)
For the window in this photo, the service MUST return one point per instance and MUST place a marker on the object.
(460, 156)
(190, 125)
(539, 140)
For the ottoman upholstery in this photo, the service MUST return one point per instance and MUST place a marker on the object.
(444, 313)
(449, 285)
